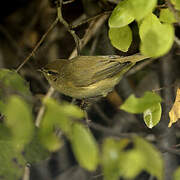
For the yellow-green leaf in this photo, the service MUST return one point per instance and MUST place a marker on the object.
(84, 147)
(153, 159)
(12, 83)
(131, 163)
(18, 118)
(141, 8)
(176, 175)
(167, 16)
(152, 115)
(153, 41)
(120, 16)
(139, 105)
(111, 151)
(121, 38)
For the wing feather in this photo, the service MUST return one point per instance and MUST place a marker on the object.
(84, 72)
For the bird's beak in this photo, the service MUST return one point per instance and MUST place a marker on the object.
(40, 70)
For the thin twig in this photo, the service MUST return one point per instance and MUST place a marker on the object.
(67, 2)
(63, 21)
(37, 45)
(177, 40)
(139, 66)
(165, 87)
(42, 109)
(90, 32)
(90, 19)
(26, 175)
(109, 131)
(101, 113)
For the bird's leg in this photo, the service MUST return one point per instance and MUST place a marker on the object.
(84, 106)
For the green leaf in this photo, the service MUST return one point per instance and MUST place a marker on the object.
(176, 175)
(71, 110)
(176, 4)
(120, 16)
(153, 41)
(12, 83)
(139, 105)
(167, 16)
(49, 122)
(111, 150)
(57, 116)
(5, 133)
(131, 163)
(152, 115)
(12, 162)
(34, 152)
(121, 38)
(84, 147)
(18, 119)
(118, 161)
(153, 159)
(141, 8)
(2, 106)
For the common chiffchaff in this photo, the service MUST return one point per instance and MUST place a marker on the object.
(88, 76)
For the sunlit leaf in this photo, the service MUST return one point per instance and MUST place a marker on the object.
(120, 16)
(111, 150)
(131, 163)
(18, 118)
(70, 110)
(152, 115)
(52, 116)
(153, 41)
(167, 16)
(141, 8)
(84, 147)
(118, 161)
(174, 114)
(153, 159)
(57, 116)
(139, 105)
(121, 38)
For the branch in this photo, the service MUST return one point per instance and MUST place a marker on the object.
(62, 20)
(26, 175)
(37, 45)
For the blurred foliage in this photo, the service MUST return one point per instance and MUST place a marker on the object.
(151, 31)
(117, 161)
(133, 25)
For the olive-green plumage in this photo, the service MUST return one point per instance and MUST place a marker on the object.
(88, 76)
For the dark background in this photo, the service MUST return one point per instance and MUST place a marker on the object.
(22, 24)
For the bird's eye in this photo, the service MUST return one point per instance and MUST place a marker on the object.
(52, 73)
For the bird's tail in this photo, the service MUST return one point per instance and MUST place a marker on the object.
(133, 58)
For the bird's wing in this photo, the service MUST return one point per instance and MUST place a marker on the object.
(88, 70)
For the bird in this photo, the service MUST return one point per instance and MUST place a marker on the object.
(85, 77)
